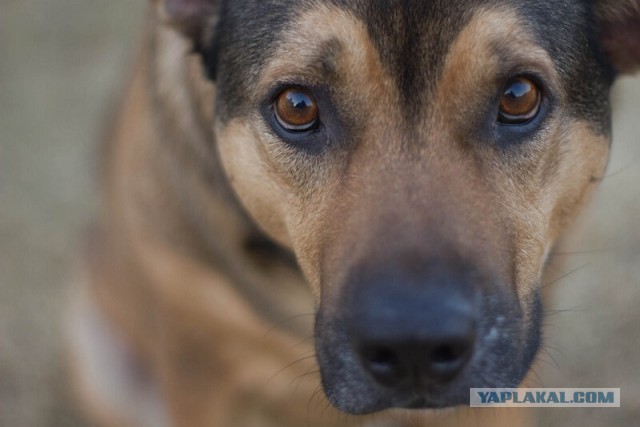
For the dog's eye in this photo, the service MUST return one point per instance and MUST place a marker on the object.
(520, 102)
(296, 110)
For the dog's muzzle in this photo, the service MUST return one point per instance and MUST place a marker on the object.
(420, 338)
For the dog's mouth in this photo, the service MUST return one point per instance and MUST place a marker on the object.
(397, 348)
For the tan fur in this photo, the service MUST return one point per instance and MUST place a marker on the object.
(477, 56)
(289, 203)
(217, 361)
(541, 210)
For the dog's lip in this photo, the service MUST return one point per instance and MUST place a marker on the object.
(421, 401)
(417, 402)
(431, 396)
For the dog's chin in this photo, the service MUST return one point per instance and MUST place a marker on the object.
(371, 400)
(354, 392)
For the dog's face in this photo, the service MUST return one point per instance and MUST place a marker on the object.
(420, 158)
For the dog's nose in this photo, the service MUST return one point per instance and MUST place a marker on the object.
(420, 359)
(414, 339)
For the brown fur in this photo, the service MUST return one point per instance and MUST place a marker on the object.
(221, 359)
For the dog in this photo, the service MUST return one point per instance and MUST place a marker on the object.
(338, 212)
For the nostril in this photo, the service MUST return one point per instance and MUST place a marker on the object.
(382, 356)
(448, 353)
(383, 363)
(447, 359)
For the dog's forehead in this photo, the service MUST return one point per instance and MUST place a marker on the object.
(414, 36)
(411, 38)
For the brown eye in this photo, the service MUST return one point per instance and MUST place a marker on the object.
(296, 110)
(520, 102)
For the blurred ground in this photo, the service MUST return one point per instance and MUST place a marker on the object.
(61, 66)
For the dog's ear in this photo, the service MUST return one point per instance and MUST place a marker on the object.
(620, 32)
(196, 19)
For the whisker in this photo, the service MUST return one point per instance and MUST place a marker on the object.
(283, 321)
(555, 362)
(303, 341)
(298, 378)
(583, 252)
(557, 279)
(539, 380)
(550, 347)
(548, 313)
(327, 405)
(313, 396)
(611, 174)
(302, 359)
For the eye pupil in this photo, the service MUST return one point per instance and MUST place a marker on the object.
(518, 90)
(299, 100)
(296, 110)
(520, 102)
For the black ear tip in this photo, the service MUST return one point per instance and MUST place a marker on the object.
(620, 33)
(612, 10)
(197, 21)
(190, 8)
(191, 17)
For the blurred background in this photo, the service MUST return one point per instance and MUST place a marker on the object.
(63, 64)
